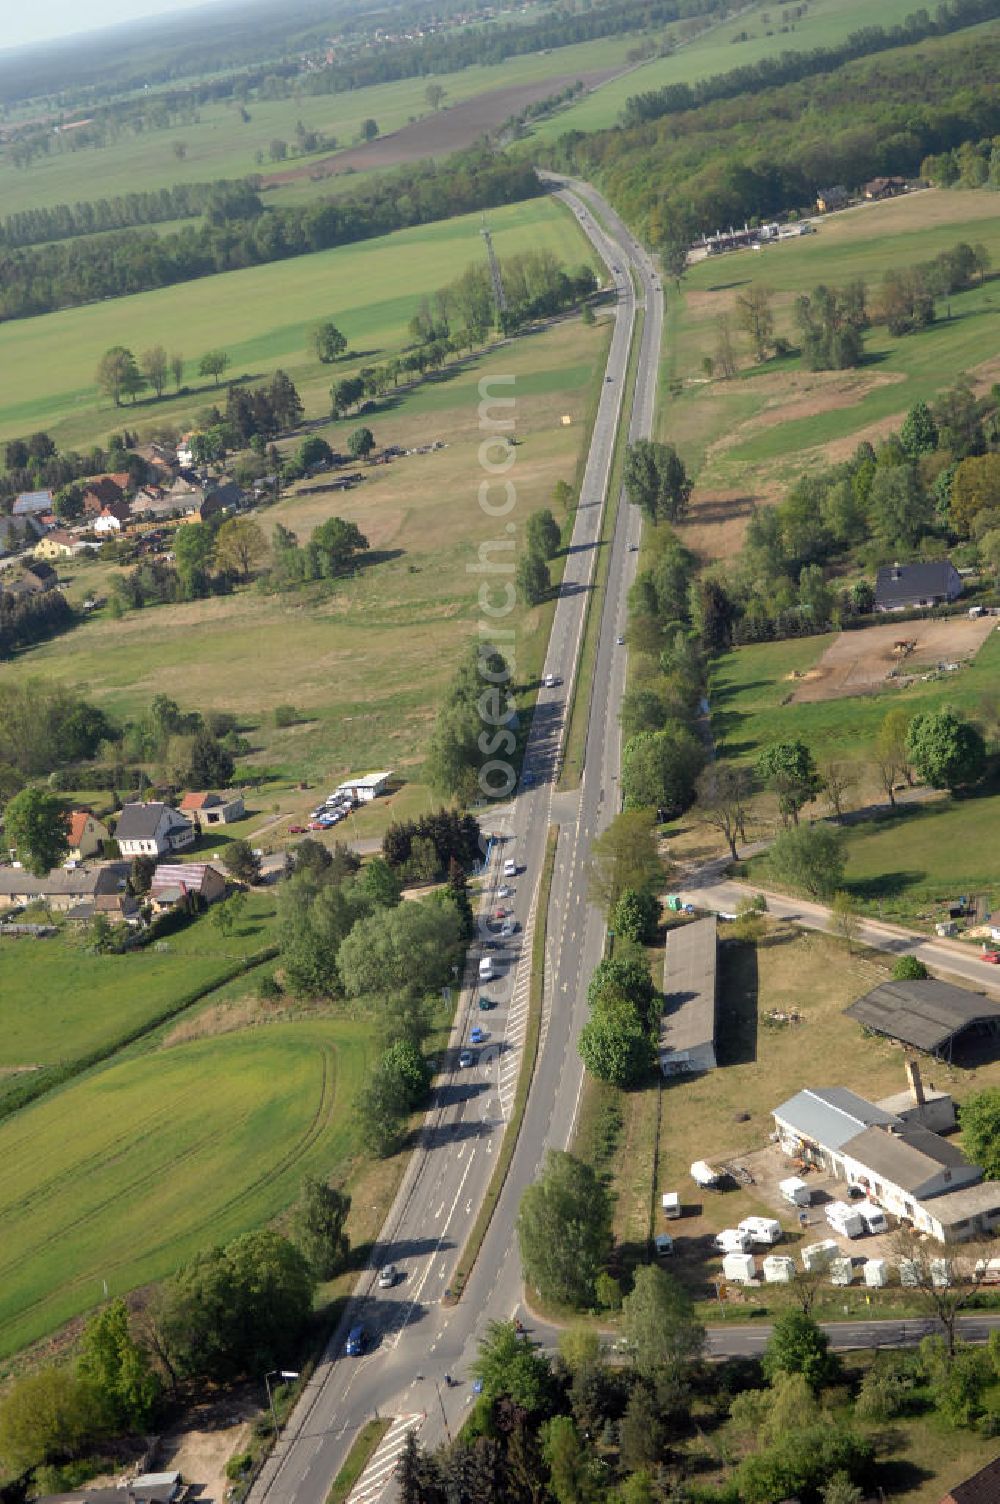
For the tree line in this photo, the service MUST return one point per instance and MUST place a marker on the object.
(220, 201)
(789, 67)
(733, 159)
(63, 274)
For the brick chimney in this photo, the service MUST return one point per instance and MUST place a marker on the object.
(916, 1085)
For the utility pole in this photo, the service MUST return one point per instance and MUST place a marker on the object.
(499, 296)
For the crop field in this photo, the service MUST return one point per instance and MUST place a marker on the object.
(749, 437)
(261, 316)
(61, 1000)
(825, 23)
(128, 1172)
(362, 662)
(220, 145)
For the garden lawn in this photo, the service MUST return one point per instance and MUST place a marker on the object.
(914, 862)
(61, 1001)
(114, 1181)
(363, 660)
(262, 318)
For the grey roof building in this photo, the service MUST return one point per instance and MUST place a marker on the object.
(898, 586)
(687, 1025)
(927, 1014)
(827, 1117)
(910, 1157)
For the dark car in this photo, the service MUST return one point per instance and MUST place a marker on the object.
(357, 1340)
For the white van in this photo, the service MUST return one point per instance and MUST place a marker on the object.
(872, 1216)
(486, 969)
(510, 868)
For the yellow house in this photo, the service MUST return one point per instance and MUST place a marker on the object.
(87, 835)
(55, 545)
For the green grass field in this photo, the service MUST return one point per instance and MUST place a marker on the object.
(220, 145)
(61, 1000)
(261, 317)
(825, 23)
(749, 684)
(749, 438)
(362, 662)
(123, 1175)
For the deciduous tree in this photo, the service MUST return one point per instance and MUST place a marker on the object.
(810, 857)
(240, 546)
(657, 481)
(948, 753)
(328, 342)
(319, 1229)
(659, 1324)
(213, 363)
(35, 823)
(564, 1230)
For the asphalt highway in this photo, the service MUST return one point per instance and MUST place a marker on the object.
(413, 1338)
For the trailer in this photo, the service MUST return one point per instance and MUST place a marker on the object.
(872, 1216)
(845, 1219)
(819, 1255)
(841, 1271)
(795, 1191)
(706, 1175)
(765, 1230)
(739, 1268)
(732, 1240)
(778, 1269)
(671, 1203)
(876, 1272)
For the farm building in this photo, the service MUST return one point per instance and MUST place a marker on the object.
(687, 1024)
(927, 1014)
(921, 1104)
(884, 187)
(212, 809)
(901, 587)
(148, 1488)
(152, 830)
(363, 790)
(32, 503)
(902, 1166)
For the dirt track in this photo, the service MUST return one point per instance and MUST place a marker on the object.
(858, 662)
(436, 135)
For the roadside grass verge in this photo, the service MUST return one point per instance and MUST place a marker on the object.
(363, 1449)
(474, 1241)
(580, 695)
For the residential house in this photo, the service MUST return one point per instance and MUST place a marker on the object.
(185, 454)
(161, 459)
(147, 1488)
(87, 835)
(58, 544)
(210, 500)
(832, 198)
(32, 503)
(152, 829)
(884, 187)
(110, 522)
(177, 882)
(155, 503)
(212, 808)
(981, 1488)
(104, 491)
(902, 587)
(64, 890)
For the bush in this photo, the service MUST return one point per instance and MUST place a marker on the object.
(237, 1465)
(268, 989)
(285, 715)
(909, 969)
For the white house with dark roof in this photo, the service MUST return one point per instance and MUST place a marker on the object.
(152, 829)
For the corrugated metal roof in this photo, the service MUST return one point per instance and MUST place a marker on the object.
(925, 1013)
(688, 1021)
(830, 1115)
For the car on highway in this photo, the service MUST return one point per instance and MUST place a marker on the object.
(505, 892)
(357, 1341)
(296, 830)
(551, 680)
(528, 780)
(508, 928)
(510, 867)
(620, 640)
(607, 378)
(992, 956)
(633, 548)
(387, 1277)
(486, 1004)
(478, 1035)
(466, 1059)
